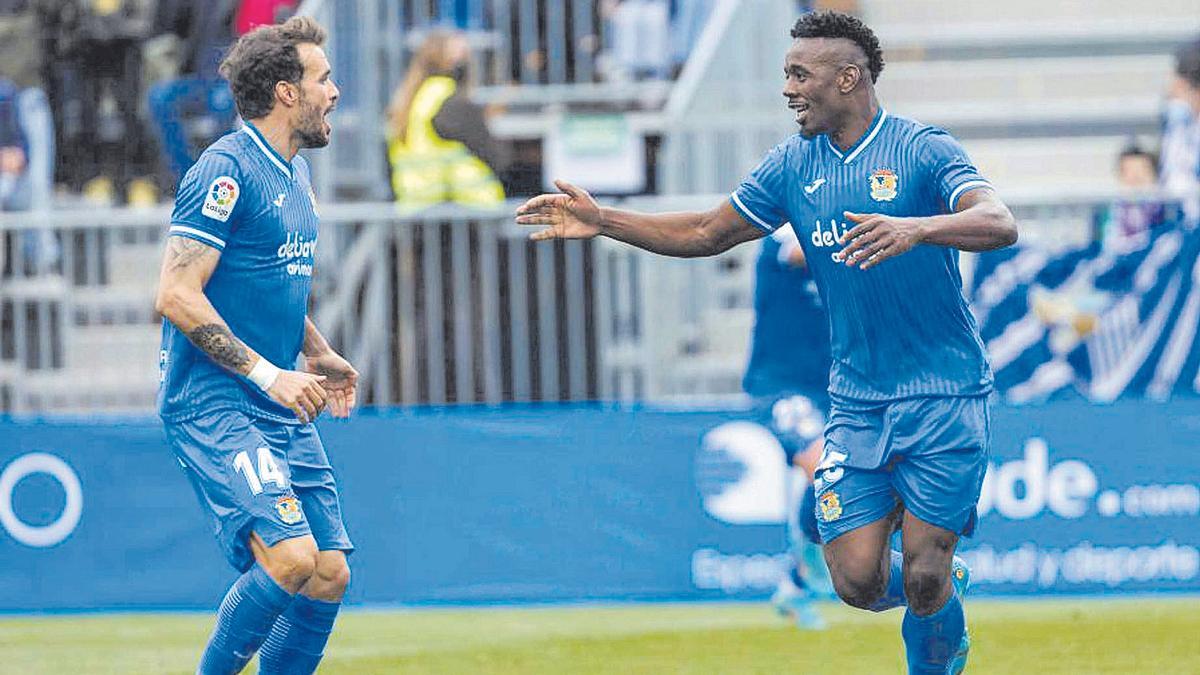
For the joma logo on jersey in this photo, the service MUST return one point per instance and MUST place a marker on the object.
(297, 246)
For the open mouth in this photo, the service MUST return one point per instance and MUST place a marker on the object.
(801, 110)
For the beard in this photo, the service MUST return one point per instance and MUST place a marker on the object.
(311, 130)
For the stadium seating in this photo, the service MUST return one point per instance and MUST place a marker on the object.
(1043, 98)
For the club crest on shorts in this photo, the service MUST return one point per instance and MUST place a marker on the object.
(289, 510)
(831, 506)
(884, 185)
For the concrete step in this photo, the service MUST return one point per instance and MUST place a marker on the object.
(135, 347)
(1063, 163)
(135, 266)
(1023, 86)
(951, 13)
(119, 387)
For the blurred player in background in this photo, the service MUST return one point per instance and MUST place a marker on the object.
(234, 292)
(789, 389)
(880, 203)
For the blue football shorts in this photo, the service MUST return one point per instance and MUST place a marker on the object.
(928, 455)
(255, 475)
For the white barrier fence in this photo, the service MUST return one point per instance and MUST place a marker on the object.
(448, 306)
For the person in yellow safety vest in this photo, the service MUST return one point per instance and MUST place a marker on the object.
(439, 147)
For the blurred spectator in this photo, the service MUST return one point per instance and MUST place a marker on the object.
(638, 46)
(1179, 166)
(254, 13)
(96, 70)
(462, 14)
(439, 146)
(1125, 224)
(688, 18)
(26, 130)
(12, 146)
(193, 106)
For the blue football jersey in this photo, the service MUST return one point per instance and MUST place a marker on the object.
(243, 199)
(789, 346)
(900, 329)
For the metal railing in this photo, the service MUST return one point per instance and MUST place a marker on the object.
(447, 306)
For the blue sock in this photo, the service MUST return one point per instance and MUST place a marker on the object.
(297, 641)
(932, 641)
(797, 579)
(893, 596)
(243, 620)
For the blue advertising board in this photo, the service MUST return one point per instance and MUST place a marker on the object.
(559, 503)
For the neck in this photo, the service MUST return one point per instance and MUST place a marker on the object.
(856, 124)
(276, 131)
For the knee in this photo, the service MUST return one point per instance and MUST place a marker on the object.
(925, 586)
(292, 568)
(333, 574)
(861, 590)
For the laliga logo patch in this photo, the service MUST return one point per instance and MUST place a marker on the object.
(221, 198)
(289, 510)
(831, 507)
(884, 185)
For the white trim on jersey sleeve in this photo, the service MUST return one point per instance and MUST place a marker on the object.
(746, 211)
(201, 234)
(958, 191)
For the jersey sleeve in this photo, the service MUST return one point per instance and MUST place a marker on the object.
(206, 204)
(762, 197)
(948, 168)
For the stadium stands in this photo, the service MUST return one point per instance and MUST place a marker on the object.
(1043, 101)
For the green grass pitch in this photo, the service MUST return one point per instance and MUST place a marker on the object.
(1141, 635)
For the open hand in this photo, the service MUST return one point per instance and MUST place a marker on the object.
(338, 379)
(571, 215)
(877, 237)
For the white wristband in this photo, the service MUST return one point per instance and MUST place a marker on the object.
(263, 373)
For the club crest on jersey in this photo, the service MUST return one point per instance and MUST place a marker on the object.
(221, 198)
(884, 185)
(831, 507)
(289, 510)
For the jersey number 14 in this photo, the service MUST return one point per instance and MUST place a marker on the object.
(268, 470)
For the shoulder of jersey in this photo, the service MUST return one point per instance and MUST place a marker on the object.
(910, 128)
(231, 146)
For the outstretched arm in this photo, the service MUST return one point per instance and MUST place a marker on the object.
(981, 223)
(688, 234)
(186, 268)
(341, 379)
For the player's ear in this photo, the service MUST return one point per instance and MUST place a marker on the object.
(849, 78)
(287, 93)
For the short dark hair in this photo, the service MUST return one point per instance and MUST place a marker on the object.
(829, 24)
(1187, 62)
(265, 56)
(1133, 150)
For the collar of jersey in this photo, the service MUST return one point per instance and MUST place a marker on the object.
(262, 144)
(856, 149)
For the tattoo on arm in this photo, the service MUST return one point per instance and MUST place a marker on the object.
(220, 344)
(182, 252)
